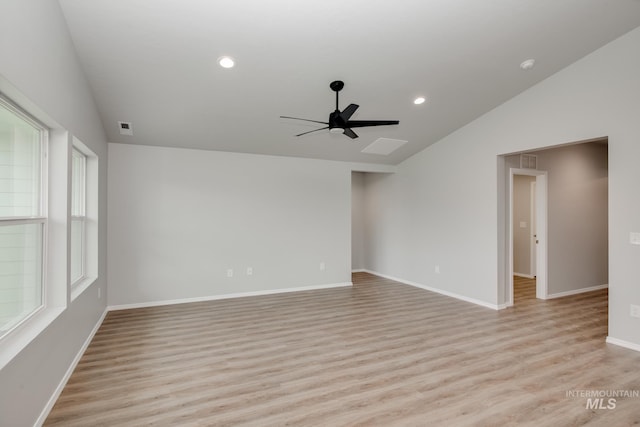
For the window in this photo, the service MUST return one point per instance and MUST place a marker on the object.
(78, 216)
(22, 216)
(84, 218)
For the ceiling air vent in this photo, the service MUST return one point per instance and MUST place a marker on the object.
(384, 146)
(125, 128)
(528, 161)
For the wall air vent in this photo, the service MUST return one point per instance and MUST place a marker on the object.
(125, 128)
(528, 161)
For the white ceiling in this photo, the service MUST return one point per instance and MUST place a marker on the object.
(153, 63)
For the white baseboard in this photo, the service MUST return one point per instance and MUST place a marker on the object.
(623, 343)
(226, 296)
(526, 276)
(576, 291)
(439, 291)
(54, 397)
(359, 270)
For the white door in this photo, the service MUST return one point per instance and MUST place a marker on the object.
(533, 237)
(541, 239)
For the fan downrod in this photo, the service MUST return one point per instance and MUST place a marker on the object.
(337, 85)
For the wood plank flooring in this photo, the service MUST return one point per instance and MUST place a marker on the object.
(380, 353)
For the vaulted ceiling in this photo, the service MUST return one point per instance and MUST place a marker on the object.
(154, 63)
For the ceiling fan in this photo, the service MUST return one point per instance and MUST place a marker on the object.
(340, 119)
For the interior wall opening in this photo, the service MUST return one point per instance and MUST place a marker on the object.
(576, 257)
(358, 222)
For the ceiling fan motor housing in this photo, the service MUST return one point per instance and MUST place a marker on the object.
(336, 85)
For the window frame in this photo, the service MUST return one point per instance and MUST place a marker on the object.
(90, 226)
(41, 218)
(79, 213)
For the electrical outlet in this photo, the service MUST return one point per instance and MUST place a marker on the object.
(230, 272)
(635, 310)
(249, 271)
(322, 266)
(437, 269)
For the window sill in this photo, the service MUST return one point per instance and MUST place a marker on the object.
(81, 286)
(17, 340)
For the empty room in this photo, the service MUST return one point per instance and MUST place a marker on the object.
(420, 213)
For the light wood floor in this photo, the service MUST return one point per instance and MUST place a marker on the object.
(380, 353)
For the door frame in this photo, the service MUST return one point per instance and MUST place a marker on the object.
(541, 228)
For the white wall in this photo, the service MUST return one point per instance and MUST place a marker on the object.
(179, 219)
(39, 70)
(522, 216)
(577, 216)
(442, 206)
(358, 219)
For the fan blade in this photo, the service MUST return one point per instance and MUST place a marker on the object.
(366, 123)
(306, 120)
(348, 112)
(351, 134)
(315, 130)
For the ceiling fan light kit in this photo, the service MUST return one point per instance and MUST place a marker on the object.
(339, 120)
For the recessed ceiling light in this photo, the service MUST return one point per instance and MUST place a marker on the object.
(528, 64)
(226, 62)
(419, 100)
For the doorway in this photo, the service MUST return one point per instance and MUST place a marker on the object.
(527, 229)
(572, 253)
(358, 222)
